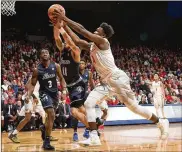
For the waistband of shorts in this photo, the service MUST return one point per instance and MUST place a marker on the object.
(74, 83)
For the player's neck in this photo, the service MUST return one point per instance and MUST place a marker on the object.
(46, 63)
(82, 71)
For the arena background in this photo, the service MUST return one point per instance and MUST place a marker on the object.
(134, 22)
(153, 24)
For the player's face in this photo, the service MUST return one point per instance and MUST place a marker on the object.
(82, 65)
(156, 77)
(45, 55)
(99, 31)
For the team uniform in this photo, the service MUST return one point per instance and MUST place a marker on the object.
(48, 91)
(31, 106)
(118, 84)
(99, 88)
(75, 84)
(158, 98)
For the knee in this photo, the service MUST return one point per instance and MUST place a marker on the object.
(27, 117)
(51, 114)
(105, 111)
(74, 111)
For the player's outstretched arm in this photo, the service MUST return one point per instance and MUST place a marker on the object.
(82, 44)
(58, 40)
(80, 29)
(60, 76)
(70, 42)
(91, 81)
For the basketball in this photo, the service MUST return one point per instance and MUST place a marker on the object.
(51, 10)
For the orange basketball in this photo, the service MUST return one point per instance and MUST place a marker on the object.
(51, 10)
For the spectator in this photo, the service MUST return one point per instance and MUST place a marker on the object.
(143, 100)
(63, 114)
(9, 113)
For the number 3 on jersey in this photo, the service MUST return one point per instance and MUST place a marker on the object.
(50, 84)
(64, 70)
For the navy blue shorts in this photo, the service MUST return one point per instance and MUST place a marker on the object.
(77, 94)
(49, 101)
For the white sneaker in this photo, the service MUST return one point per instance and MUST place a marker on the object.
(163, 125)
(93, 140)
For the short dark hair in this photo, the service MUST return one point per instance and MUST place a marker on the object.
(39, 53)
(83, 60)
(108, 29)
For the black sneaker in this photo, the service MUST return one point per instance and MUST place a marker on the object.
(99, 121)
(42, 129)
(47, 146)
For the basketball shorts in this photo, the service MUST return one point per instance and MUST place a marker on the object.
(119, 85)
(158, 101)
(98, 95)
(49, 101)
(77, 94)
(39, 109)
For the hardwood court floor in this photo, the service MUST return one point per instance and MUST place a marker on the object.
(115, 138)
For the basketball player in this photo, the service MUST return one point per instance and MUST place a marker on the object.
(88, 79)
(70, 60)
(35, 106)
(159, 96)
(116, 79)
(46, 74)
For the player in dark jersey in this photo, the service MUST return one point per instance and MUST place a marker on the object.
(86, 75)
(70, 60)
(46, 73)
(88, 79)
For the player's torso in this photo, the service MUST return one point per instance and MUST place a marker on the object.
(157, 87)
(102, 60)
(47, 78)
(85, 77)
(69, 68)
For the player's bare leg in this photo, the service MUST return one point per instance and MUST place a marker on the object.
(79, 115)
(13, 135)
(48, 128)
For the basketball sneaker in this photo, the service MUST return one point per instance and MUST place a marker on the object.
(42, 129)
(14, 138)
(86, 133)
(93, 140)
(75, 136)
(46, 144)
(163, 125)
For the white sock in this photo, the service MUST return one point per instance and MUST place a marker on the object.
(15, 132)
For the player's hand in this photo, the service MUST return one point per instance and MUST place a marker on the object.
(58, 14)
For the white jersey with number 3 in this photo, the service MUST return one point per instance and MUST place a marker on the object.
(102, 60)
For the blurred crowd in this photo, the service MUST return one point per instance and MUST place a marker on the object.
(19, 58)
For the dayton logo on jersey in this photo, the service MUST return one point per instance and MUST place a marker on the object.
(48, 76)
(65, 61)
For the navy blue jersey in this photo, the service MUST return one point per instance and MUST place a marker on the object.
(85, 77)
(47, 79)
(69, 68)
